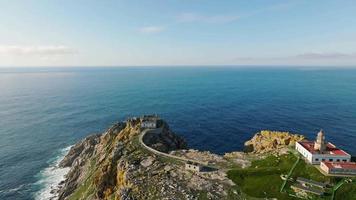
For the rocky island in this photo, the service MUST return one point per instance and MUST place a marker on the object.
(141, 159)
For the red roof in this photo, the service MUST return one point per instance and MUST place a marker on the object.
(330, 148)
(338, 165)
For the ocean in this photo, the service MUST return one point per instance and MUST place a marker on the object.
(45, 110)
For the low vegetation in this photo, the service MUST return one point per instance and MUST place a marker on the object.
(262, 179)
(115, 166)
(347, 191)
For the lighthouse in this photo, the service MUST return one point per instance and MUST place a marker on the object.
(320, 144)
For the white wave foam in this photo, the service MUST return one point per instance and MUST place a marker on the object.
(50, 177)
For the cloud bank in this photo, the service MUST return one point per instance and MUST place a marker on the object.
(326, 56)
(151, 29)
(304, 56)
(36, 50)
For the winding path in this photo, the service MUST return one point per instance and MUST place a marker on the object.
(290, 173)
(158, 130)
(336, 187)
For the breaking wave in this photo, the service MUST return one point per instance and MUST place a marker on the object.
(50, 177)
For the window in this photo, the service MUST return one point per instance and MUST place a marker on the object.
(323, 159)
(344, 160)
(338, 160)
(330, 159)
(316, 159)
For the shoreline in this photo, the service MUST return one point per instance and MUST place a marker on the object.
(51, 177)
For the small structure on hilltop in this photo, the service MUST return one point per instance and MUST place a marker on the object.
(332, 160)
(307, 183)
(341, 168)
(304, 185)
(150, 121)
(320, 143)
(300, 188)
(193, 166)
(320, 151)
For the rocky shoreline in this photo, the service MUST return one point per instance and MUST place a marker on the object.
(113, 165)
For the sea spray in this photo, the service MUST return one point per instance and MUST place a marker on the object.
(50, 177)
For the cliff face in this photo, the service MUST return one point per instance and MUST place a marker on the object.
(114, 165)
(267, 141)
(94, 163)
(77, 159)
(101, 165)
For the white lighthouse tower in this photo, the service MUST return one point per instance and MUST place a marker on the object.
(320, 143)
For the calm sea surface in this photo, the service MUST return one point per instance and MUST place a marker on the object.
(43, 111)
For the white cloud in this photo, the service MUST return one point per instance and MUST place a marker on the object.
(327, 59)
(326, 56)
(228, 18)
(151, 29)
(194, 17)
(36, 50)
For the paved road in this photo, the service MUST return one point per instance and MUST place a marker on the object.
(158, 130)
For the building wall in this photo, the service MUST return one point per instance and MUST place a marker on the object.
(324, 168)
(149, 125)
(343, 171)
(337, 170)
(317, 158)
(304, 152)
(196, 168)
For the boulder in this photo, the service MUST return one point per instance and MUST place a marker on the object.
(266, 141)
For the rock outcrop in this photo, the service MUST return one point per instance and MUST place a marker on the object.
(114, 165)
(267, 141)
(83, 149)
(76, 159)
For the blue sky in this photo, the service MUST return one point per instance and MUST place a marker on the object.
(177, 32)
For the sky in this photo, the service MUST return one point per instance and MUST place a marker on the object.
(177, 32)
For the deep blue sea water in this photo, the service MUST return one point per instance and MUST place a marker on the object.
(45, 110)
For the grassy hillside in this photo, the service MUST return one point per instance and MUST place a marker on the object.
(262, 178)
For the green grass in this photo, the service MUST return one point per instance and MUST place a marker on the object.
(86, 189)
(83, 191)
(346, 191)
(289, 174)
(308, 171)
(283, 162)
(203, 195)
(262, 179)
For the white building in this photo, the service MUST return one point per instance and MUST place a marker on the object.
(320, 150)
(341, 168)
(149, 121)
(193, 166)
(148, 124)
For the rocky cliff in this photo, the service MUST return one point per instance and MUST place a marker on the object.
(114, 165)
(268, 141)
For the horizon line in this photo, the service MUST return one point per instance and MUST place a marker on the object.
(168, 65)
